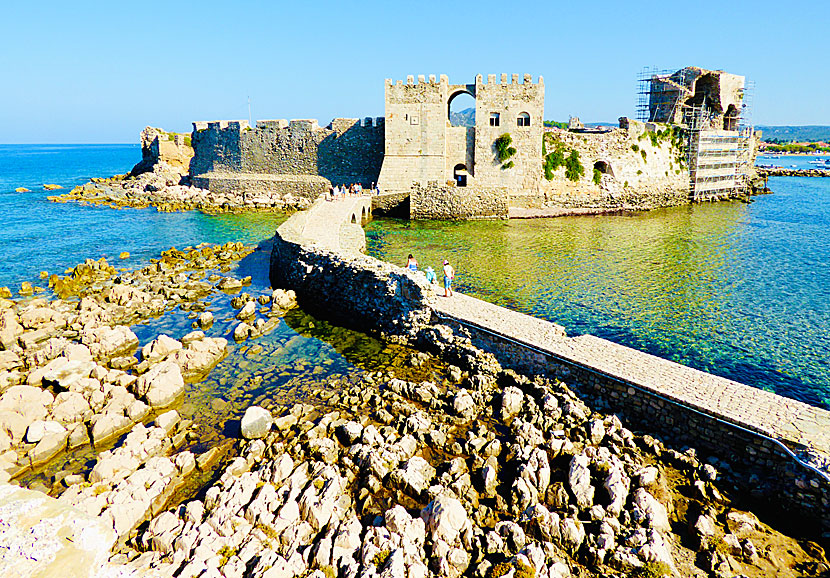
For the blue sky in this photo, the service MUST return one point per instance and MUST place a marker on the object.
(100, 71)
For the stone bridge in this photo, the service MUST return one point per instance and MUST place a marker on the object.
(331, 225)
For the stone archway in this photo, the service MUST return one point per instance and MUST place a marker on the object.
(603, 167)
(459, 104)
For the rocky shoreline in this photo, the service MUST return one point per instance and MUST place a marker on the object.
(479, 472)
(790, 172)
(168, 188)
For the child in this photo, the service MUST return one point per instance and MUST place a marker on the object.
(430, 273)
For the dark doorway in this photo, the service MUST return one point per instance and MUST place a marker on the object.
(460, 175)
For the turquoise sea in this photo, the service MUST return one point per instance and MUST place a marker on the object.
(740, 290)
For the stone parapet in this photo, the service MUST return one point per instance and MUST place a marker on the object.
(458, 203)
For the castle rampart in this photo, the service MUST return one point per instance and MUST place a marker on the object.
(232, 154)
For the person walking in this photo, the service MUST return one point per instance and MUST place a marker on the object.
(411, 263)
(449, 275)
(430, 274)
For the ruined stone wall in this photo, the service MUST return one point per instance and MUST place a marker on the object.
(640, 168)
(157, 146)
(345, 152)
(449, 202)
(422, 149)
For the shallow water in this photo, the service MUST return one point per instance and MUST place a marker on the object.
(739, 290)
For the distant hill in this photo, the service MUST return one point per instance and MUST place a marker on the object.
(466, 117)
(806, 133)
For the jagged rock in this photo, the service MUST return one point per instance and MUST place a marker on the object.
(414, 476)
(654, 512)
(444, 518)
(464, 405)
(162, 384)
(349, 432)
(109, 424)
(579, 479)
(160, 348)
(106, 342)
(511, 402)
(617, 485)
(256, 422)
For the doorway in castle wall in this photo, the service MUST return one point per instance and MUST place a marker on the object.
(459, 173)
(461, 109)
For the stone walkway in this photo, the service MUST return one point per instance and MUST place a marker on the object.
(779, 417)
(323, 221)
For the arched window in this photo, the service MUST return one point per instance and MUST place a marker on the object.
(523, 119)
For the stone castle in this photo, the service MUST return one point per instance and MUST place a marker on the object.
(439, 170)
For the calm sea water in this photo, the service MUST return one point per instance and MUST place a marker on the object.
(739, 290)
(39, 235)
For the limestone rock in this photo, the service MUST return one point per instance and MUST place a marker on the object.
(444, 518)
(511, 402)
(653, 511)
(160, 348)
(256, 422)
(44, 537)
(37, 430)
(105, 342)
(162, 384)
(579, 479)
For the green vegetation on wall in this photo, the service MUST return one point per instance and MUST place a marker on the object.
(597, 176)
(573, 167)
(556, 124)
(553, 160)
(504, 151)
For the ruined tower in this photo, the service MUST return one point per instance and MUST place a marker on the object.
(425, 153)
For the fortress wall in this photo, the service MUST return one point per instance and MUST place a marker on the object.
(347, 151)
(631, 180)
(449, 202)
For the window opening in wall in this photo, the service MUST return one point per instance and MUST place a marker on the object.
(461, 109)
(523, 119)
(494, 119)
(414, 120)
(460, 175)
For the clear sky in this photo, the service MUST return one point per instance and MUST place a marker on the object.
(99, 72)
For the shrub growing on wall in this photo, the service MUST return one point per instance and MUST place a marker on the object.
(504, 151)
(597, 176)
(554, 160)
(573, 167)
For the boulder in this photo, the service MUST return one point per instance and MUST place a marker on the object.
(162, 384)
(512, 401)
(160, 348)
(106, 342)
(653, 511)
(413, 477)
(46, 537)
(579, 479)
(37, 430)
(464, 405)
(256, 422)
(444, 518)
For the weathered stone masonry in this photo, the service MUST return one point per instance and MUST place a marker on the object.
(297, 157)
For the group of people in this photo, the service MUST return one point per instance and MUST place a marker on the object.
(353, 190)
(449, 273)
